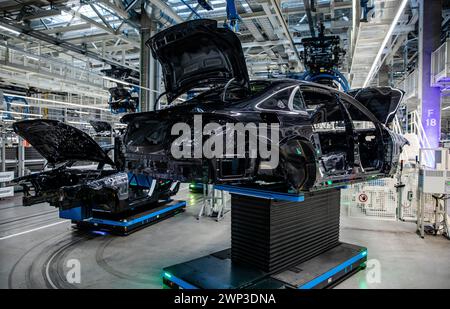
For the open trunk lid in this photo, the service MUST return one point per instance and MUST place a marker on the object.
(383, 102)
(198, 54)
(58, 142)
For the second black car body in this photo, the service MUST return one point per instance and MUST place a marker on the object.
(101, 186)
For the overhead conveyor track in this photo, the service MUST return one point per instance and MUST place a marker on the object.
(58, 42)
(369, 39)
(49, 73)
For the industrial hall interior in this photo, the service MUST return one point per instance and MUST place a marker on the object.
(225, 145)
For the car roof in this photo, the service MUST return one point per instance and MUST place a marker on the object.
(276, 81)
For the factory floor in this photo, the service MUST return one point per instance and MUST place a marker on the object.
(36, 248)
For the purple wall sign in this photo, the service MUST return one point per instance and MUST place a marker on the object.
(431, 115)
(429, 41)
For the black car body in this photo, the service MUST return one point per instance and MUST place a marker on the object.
(326, 137)
(100, 186)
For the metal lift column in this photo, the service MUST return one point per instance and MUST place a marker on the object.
(148, 64)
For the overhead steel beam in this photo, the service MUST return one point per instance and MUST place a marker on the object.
(258, 37)
(98, 37)
(132, 5)
(194, 11)
(265, 43)
(119, 47)
(320, 8)
(338, 27)
(167, 10)
(399, 41)
(68, 28)
(100, 16)
(272, 18)
(119, 11)
(42, 14)
(97, 24)
(307, 5)
(285, 28)
(86, 19)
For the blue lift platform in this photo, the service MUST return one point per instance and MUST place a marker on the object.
(140, 213)
(278, 240)
(127, 222)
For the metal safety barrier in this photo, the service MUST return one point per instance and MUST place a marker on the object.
(383, 199)
(440, 65)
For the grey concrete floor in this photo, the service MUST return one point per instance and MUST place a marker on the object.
(35, 247)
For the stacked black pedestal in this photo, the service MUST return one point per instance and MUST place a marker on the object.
(275, 235)
(278, 241)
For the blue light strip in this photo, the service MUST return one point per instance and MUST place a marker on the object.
(137, 220)
(311, 284)
(181, 283)
(262, 194)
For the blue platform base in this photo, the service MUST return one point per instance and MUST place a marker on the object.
(265, 194)
(217, 271)
(133, 220)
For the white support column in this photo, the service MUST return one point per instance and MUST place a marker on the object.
(145, 98)
(21, 158)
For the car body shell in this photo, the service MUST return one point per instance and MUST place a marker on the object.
(313, 166)
(101, 186)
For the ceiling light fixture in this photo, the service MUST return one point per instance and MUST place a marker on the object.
(116, 80)
(19, 104)
(76, 122)
(17, 113)
(51, 107)
(10, 30)
(32, 57)
(79, 112)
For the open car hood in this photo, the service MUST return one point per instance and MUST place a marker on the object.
(197, 54)
(58, 142)
(383, 102)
